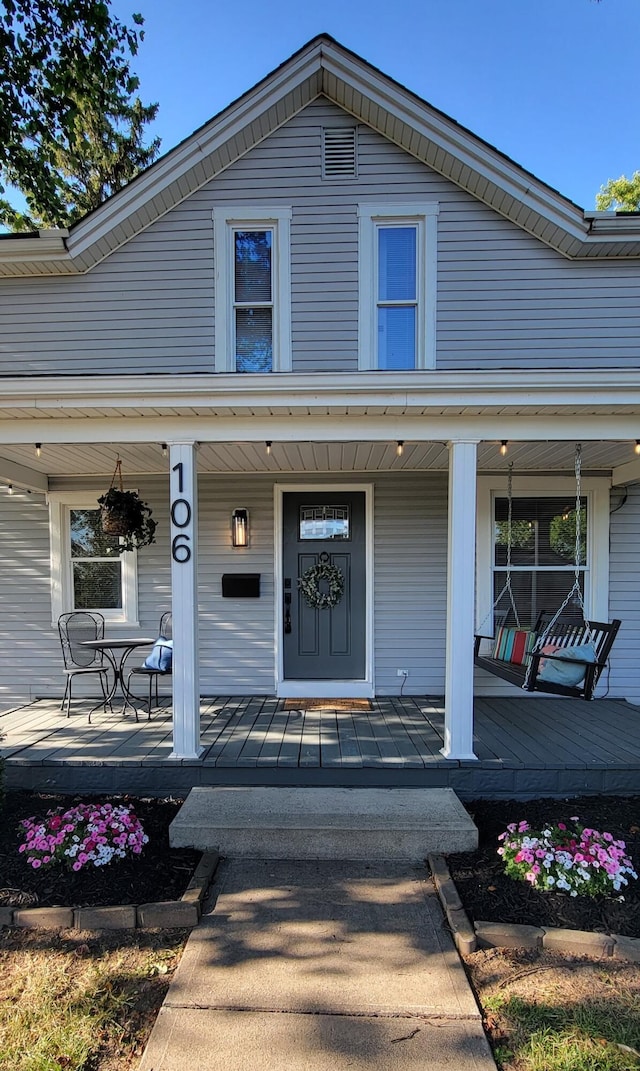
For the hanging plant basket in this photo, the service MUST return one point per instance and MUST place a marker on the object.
(124, 514)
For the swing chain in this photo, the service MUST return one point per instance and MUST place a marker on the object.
(575, 594)
(507, 589)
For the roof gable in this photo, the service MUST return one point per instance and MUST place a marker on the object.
(324, 67)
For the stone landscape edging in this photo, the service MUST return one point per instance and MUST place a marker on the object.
(469, 937)
(161, 914)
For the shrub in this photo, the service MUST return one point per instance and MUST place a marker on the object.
(566, 858)
(89, 834)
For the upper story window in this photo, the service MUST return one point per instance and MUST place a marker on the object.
(253, 300)
(253, 290)
(398, 260)
(87, 570)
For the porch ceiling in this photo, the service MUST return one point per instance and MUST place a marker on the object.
(98, 459)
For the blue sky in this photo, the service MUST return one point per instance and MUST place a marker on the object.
(552, 83)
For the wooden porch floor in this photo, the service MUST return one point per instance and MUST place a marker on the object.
(525, 747)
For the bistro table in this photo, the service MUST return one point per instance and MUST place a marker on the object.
(125, 645)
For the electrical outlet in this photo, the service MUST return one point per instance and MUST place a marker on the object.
(402, 672)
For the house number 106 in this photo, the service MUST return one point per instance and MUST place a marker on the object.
(180, 518)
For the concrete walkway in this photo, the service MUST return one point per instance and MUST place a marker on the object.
(319, 966)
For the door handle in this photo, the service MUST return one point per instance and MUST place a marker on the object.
(287, 612)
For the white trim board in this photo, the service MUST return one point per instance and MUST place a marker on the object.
(370, 217)
(356, 689)
(278, 220)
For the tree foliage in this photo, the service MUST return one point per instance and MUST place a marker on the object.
(71, 125)
(622, 194)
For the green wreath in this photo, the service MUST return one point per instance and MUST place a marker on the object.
(309, 582)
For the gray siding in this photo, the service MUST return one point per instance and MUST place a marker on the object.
(410, 583)
(30, 645)
(624, 597)
(504, 299)
(237, 636)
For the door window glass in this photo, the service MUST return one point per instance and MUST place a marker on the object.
(324, 522)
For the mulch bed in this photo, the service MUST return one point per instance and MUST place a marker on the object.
(159, 873)
(489, 895)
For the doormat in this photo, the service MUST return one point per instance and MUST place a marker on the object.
(327, 704)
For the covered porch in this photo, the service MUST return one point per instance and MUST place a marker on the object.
(526, 747)
(424, 454)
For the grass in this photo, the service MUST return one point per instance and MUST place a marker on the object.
(76, 1003)
(561, 1014)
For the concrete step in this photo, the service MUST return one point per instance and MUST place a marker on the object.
(324, 823)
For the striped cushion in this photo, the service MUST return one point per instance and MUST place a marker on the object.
(514, 645)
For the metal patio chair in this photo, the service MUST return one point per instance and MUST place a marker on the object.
(152, 673)
(74, 628)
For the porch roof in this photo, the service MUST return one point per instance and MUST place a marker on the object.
(318, 422)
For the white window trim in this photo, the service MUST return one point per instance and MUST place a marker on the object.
(369, 217)
(224, 221)
(60, 503)
(596, 491)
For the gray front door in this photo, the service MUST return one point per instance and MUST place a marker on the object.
(326, 643)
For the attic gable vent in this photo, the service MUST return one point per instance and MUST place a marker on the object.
(340, 153)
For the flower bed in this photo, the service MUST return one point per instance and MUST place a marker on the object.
(488, 894)
(566, 857)
(157, 872)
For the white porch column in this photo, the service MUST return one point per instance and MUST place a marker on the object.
(461, 557)
(184, 600)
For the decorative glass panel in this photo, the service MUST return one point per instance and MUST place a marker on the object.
(254, 340)
(397, 264)
(87, 538)
(396, 337)
(252, 265)
(324, 522)
(97, 585)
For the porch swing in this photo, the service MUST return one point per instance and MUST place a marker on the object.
(555, 656)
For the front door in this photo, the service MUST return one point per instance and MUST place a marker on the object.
(324, 620)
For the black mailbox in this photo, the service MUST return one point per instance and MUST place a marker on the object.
(241, 585)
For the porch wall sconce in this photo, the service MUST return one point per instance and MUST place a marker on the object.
(240, 528)
(503, 447)
(165, 451)
(268, 447)
(637, 446)
(38, 449)
(400, 448)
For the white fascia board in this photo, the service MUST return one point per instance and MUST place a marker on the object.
(22, 476)
(483, 159)
(180, 160)
(401, 389)
(455, 140)
(627, 473)
(325, 428)
(42, 247)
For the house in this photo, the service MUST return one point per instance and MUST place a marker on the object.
(321, 319)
